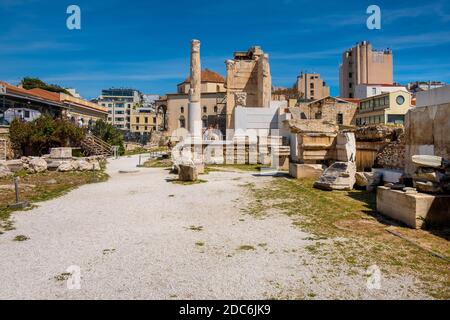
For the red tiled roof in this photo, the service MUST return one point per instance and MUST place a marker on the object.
(351, 100)
(208, 76)
(53, 96)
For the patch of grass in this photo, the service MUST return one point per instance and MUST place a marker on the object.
(196, 228)
(246, 248)
(139, 150)
(158, 163)
(351, 217)
(187, 183)
(63, 276)
(108, 251)
(63, 182)
(21, 238)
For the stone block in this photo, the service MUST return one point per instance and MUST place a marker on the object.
(188, 173)
(368, 180)
(37, 165)
(340, 176)
(306, 171)
(4, 171)
(414, 209)
(61, 153)
(14, 165)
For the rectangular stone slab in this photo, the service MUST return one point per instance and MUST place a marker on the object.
(414, 210)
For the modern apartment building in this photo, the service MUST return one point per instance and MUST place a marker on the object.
(311, 87)
(386, 108)
(364, 91)
(120, 103)
(364, 65)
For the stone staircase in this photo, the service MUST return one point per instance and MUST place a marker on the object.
(94, 146)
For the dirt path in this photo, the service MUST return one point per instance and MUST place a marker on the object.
(139, 236)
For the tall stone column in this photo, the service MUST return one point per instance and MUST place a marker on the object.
(195, 110)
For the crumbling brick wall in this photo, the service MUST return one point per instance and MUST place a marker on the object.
(393, 156)
(6, 151)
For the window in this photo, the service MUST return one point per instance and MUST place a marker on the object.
(120, 112)
(146, 119)
(205, 122)
(154, 120)
(216, 109)
(182, 110)
(311, 85)
(205, 109)
(137, 128)
(350, 85)
(340, 118)
(120, 105)
(350, 95)
(374, 91)
(137, 119)
(350, 75)
(145, 128)
(318, 115)
(182, 122)
(400, 100)
(312, 93)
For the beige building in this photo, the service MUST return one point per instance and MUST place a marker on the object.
(311, 87)
(364, 65)
(386, 108)
(144, 121)
(213, 98)
(249, 82)
(332, 110)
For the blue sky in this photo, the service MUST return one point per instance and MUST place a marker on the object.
(145, 44)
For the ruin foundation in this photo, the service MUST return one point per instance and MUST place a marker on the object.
(414, 209)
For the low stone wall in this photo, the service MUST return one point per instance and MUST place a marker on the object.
(34, 165)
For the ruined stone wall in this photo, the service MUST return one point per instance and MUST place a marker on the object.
(328, 110)
(393, 156)
(427, 132)
(6, 151)
(248, 83)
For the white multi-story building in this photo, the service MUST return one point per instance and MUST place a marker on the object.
(120, 103)
(364, 91)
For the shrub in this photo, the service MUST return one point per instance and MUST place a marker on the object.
(37, 137)
(110, 134)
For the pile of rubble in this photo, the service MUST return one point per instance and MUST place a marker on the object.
(393, 155)
(379, 132)
(58, 160)
(432, 174)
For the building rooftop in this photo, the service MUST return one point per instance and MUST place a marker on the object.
(208, 76)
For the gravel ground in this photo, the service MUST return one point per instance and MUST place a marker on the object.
(138, 236)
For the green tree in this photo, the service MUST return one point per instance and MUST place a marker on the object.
(31, 83)
(108, 133)
(37, 137)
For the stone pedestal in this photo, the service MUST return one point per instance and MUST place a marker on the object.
(188, 173)
(306, 171)
(414, 209)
